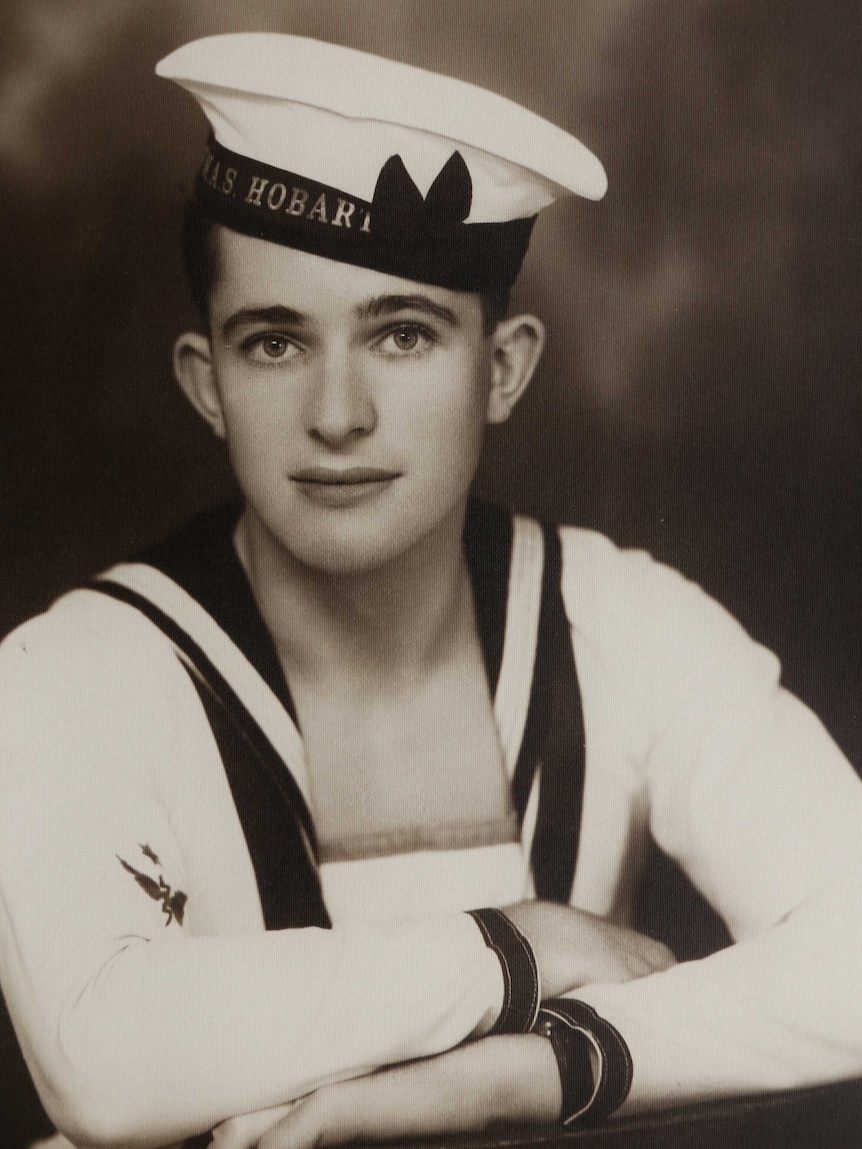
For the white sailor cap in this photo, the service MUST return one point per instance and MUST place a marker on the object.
(361, 159)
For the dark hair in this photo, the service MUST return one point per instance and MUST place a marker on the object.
(199, 258)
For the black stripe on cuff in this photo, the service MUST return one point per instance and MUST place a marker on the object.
(615, 1069)
(521, 990)
(572, 1046)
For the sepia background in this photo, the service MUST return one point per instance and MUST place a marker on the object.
(700, 396)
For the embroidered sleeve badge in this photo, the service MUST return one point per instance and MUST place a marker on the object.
(173, 901)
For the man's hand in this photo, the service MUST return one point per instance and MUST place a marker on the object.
(574, 948)
(495, 1079)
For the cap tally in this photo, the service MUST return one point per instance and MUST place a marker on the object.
(371, 162)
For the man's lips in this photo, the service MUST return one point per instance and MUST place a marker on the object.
(343, 487)
(343, 477)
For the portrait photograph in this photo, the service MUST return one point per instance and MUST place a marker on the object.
(430, 574)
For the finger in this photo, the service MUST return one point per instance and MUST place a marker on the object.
(514, 1078)
(301, 1128)
(402, 1102)
(659, 956)
(245, 1131)
(459, 1092)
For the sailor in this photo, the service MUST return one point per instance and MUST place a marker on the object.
(360, 772)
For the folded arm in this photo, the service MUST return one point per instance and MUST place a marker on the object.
(138, 1029)
(746, 790)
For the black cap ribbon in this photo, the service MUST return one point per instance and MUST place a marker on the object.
(401, 232)
(401, 216)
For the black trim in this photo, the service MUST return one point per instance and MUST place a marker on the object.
(521, 988)
(617, 1070)
(237, 191)
(265, 752)
(571, 1046)
(488, 534)
(287, 879)
(553, 737)
(201, 558)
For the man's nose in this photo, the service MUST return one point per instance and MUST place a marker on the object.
(341, 405)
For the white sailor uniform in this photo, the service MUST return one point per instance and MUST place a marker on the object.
(151, 1000)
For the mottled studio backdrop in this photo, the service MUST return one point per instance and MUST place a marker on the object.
(701, 392)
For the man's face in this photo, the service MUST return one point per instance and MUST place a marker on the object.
(353, 402)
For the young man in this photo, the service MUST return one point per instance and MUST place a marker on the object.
(258, 785)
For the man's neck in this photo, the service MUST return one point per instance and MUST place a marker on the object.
(390, 625)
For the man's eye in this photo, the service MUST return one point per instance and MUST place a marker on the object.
(404, 338)
(266, 348)
(275, 347)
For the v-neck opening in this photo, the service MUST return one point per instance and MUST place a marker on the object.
(202, 566)
(201, 558)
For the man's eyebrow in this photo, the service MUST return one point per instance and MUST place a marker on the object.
(276, 315)
(391, 304)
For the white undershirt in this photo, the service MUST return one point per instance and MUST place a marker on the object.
(397, 887)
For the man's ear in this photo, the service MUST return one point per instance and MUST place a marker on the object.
(517, 345)
(193, 369)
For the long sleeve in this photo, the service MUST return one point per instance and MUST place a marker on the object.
(745, 789)
(121, 864)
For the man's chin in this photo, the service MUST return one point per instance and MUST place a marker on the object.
(348, 543)
(344, 554)
(344, 562)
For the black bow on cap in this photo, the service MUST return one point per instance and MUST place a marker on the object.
(402, 217)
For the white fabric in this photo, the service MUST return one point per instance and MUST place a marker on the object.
(199, 625)
(512, 697)
(689, 731)
(139, 1030)
(441, 881)
(336, 115)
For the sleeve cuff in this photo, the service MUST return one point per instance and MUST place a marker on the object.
(521, 983)
(574, 1030)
